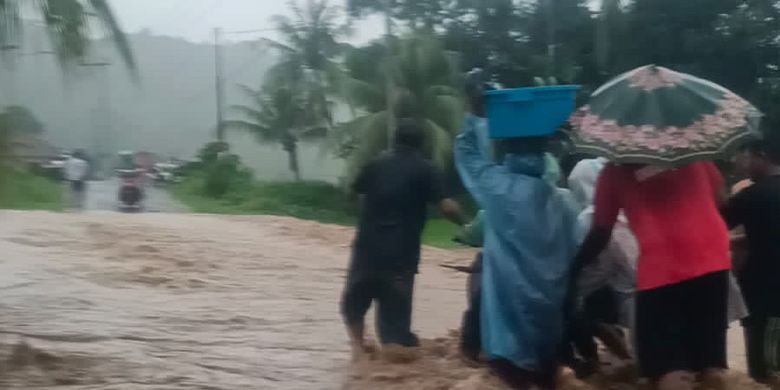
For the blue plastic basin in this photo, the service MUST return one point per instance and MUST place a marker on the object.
(529, 112)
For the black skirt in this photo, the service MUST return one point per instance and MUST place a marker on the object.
(682, 327)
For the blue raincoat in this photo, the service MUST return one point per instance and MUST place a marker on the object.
(530, 241)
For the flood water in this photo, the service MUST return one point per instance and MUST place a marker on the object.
(164, 301)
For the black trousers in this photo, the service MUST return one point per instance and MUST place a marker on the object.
(599, 307)
(393, 293)
(471, 338)
(762, 344)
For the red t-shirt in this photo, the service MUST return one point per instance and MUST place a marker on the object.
(674, 216)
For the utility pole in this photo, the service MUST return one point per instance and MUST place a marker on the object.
(102, 136)
(219, 84)
(10, 67)
(389, 74)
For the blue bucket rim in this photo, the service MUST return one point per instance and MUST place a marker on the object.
(568, 87)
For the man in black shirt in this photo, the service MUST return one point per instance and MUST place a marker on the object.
(397, 188)
(757, 209)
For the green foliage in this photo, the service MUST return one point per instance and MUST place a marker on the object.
(5, 158)
(210, 152)
(309, 44)
(417, 14)
(427, 89)
(735, 43)
(68, 24)
(278, 115)
(306, 200)
(315, 201)
(226, 175)
(20, 120)
(493, 35)
(15, 122)
(21, 190)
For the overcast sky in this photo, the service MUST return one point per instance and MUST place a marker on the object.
(194, 20)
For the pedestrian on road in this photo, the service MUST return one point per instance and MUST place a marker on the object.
(757, 209)
(76, 170)
(396, 189)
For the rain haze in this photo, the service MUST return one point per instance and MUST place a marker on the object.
(278, 194)
(194, 19)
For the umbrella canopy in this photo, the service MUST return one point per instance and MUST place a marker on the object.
(653, 115)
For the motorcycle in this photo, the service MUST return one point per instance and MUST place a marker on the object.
(131, 190)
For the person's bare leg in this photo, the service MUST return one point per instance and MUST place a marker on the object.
(716, 379)
(613, 340)
(678, 380)
(356, 332)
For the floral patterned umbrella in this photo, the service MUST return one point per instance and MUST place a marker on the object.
(653, 115)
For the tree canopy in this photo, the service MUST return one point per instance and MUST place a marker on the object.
(735, 43)
(68, 23)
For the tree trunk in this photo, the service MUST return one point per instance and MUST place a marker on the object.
(292, 155)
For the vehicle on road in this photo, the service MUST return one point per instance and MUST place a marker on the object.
(132, 183)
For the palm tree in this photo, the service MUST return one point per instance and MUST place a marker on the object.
(426, 90)
(278, 115)
(68, 24)
(310, 42)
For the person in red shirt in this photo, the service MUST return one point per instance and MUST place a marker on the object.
(683, 270)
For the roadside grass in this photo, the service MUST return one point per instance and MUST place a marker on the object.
(21, 190)
(317, 201)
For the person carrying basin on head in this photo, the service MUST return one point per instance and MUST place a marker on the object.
(396, 189)
(529, 241)
(473, 235)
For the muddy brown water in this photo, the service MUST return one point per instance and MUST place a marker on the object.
(173, 301)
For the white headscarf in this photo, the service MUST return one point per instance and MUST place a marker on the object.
(583, 178)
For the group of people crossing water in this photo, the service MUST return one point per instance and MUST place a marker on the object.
(628, 245)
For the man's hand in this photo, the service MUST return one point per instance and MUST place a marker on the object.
(450, 209)
(475, 92)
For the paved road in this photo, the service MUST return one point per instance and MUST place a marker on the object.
(102, 195)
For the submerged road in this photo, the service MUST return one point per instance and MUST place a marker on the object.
(102, 195)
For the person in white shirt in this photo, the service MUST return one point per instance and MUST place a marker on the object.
(76, 170)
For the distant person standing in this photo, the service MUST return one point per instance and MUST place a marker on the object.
(76, 170)
(397, 189)
(757, 209)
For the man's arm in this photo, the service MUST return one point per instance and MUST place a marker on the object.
(360, 185)
(448, 207)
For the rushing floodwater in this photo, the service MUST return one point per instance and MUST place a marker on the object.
(163, 301)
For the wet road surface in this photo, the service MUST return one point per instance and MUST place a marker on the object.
(102, 195)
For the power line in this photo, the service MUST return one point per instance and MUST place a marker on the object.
(239, 72)
(252, 31)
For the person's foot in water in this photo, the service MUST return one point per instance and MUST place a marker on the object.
(471, 358)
